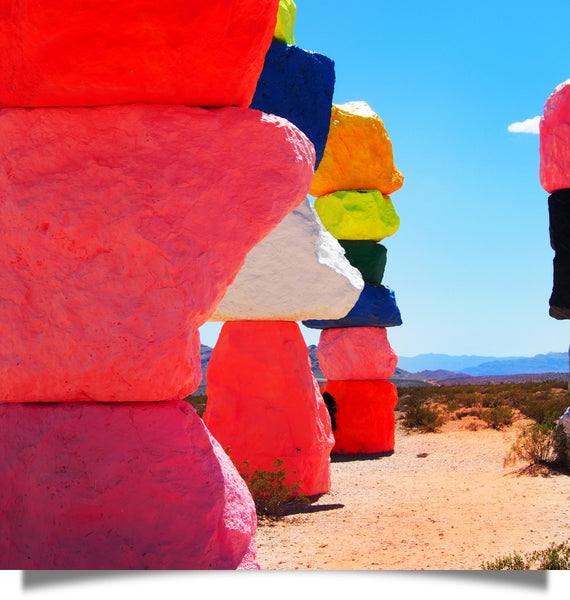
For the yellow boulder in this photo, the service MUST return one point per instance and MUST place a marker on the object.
(358, 215)
(285, 22)
(358, 154)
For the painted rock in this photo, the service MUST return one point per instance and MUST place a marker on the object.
(264, 403)
(108, 217)
(297, 272)
(356, 353)
(368, 257)
(364, 417)
(90, 485)
(298, 85)
(555, 140)
(559, 215)
(358, 154)
(285, 22)
(106, 52)
(358, 215)
(376, 307)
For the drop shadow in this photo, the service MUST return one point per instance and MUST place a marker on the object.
(534, 579)
(340, 458)
(36, 579)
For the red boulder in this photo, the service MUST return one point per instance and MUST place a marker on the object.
(62, 53)
(365, 415)
(122, 227)
(93, 485)
(264, 403)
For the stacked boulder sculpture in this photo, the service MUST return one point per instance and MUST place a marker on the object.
(352, 186)
(263, 401)
(134, 179)
(555, 179)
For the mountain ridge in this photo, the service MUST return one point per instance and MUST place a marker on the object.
(555, 362)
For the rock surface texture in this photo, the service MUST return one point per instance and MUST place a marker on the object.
(376, 307)
(356, 353)
(297, 272)
(365, 415)
(358, 215)
(298, 85)
(108, 216)
(263, 410)
(559, 215)
(555, 140)
(358, 154)
(188, 52)
(92, 485)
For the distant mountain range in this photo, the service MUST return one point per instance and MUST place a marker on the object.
(553, 362)
(437, 369)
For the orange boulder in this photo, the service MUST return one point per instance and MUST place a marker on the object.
(264, 403)
(358, 154)
(365, 415)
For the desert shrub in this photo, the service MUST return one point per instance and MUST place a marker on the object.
(554, 558)
(540, 443)
(544, 408)
(498, 417)
(268, 490)
(421, 415)
(198, 402)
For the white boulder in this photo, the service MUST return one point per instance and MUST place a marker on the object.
(298, 272)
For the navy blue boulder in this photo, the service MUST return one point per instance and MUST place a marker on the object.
(298, 85)
(376, 307)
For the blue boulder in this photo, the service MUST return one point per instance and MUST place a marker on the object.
(298, 85)
(376, 307)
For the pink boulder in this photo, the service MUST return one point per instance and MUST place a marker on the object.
(122, 227)
(264, 403)
(361, 353)
(88, 485)
(555, 140)
(62, 53)
(365, 415)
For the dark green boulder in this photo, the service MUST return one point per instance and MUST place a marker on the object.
(368, 257)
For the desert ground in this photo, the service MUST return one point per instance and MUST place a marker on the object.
(440, 501)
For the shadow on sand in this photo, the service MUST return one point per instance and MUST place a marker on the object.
(338, 458)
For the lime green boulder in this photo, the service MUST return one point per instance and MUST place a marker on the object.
(285, 22)
(368, 257)
(358, 215)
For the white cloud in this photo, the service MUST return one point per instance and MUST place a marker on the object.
(528, 126)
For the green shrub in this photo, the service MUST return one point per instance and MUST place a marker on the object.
(539, 443)
(544, 408)
(421, 415)
(555, 558)
(268, 490)
(498, 417)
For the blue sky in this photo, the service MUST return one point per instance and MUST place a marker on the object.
(471, 265)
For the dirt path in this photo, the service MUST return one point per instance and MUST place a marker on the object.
(452, 509)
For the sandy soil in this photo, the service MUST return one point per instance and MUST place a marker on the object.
(452, 509)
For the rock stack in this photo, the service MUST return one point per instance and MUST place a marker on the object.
(352, 186)
(555, 179)
(263, 401)
(126, 209)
